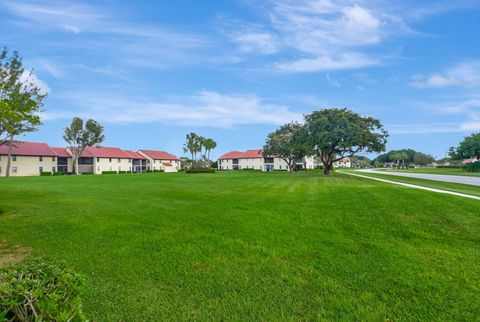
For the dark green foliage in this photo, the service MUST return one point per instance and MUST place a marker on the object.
(158, 171)
(58, 173)
(468, 148)
(45, 173)
(472, 167)
(199, 170)
(109, 172)
(339, 132)
(39, 290)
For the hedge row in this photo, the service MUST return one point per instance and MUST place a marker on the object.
(199, 170)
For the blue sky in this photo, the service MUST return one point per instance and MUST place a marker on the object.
(152, 71)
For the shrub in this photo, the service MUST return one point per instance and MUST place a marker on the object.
(38, 290)
(87, 173)
(58, 173)
(45, 173)
(158, 171)
(123, 172)
(199, 170)
(449, 166)
(250, 169)
(109, 172)
(472, 167)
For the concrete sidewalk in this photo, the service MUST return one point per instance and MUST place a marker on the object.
(474, 181)
(412, 185)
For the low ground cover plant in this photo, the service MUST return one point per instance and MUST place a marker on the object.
(40, 290)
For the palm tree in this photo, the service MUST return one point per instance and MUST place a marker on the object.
(209, 145)
(193, 145)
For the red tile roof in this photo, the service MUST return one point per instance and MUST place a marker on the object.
(134, 155)
(107, 152)
(231, 155)
(167, 164)
(29, 148)
(252, 154)
(249, 154)
(159, 155)
(61, 152)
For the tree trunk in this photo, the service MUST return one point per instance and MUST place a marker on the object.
(76, 167)
(326, 168)
(9, 157)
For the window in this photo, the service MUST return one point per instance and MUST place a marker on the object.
(40, 169)
(118, 160)
(53, 159)
(14, 169)
(109, 159)
(53, 169)
(129, 160)
(98, 159)
(40, 159)
(0, 169)
(14, 158)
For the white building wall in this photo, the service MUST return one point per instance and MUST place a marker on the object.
(225, 164)
(27, 165)
(111, 164)
(251, 163)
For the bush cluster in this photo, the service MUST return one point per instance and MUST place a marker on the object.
(39, 290)
(109, 172)
(58, 173)
(199, 170)
(472, 167)
(45, 173)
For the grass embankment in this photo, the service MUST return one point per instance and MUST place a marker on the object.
(448, 186)
(447, 171)
(252, 246)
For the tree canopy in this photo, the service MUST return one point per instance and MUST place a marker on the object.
(288, 143)
(337, 133)
(79, 137)
(21, 101)
(468, 148)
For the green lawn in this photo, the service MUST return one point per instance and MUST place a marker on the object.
(252, 246)
(449, 186)
(449, 171)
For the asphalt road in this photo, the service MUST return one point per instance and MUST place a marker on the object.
(474, 181)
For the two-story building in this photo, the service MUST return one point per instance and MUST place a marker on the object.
(254, 159)
(28, 159)
(161, 160)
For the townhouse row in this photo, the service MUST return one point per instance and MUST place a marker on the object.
(254, 159)
(31, 158)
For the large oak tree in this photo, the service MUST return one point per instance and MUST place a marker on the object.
(468, 148)
(337, 133)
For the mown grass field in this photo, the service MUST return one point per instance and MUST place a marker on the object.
(252, 246)
(449, 171)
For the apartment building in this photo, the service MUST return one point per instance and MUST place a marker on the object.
(254, 159)
(28, 159)
(161, 160)
(31, 159)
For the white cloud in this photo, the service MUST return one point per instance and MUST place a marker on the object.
(206, 108)
(326, 35)
(257, 42)
(465, 74)
(29, 80)
(432, 128)
(327, 63)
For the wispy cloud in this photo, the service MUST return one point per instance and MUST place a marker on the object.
(321, 35)
(206, 108)
(465, 74)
